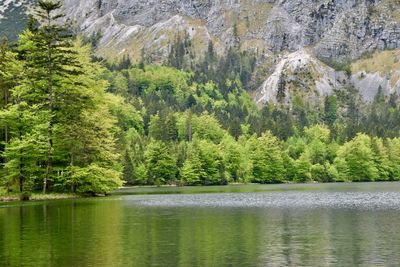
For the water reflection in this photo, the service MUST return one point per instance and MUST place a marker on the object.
(121, 231)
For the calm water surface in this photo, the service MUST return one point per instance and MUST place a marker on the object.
(250, 225)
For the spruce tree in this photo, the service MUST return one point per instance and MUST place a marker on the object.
(61, 128)
(51, 65)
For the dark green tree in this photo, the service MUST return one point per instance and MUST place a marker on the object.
(51, 65)
(330, 110)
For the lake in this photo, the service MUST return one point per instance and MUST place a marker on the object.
(238, 225)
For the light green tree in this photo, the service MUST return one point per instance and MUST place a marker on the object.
(381, 159)
(267, 159)
(87, 140)
(211, 162)
(303, 168)
(192, 172)
(160, 163)
(393, 148)
(359, 159)
(233, 157)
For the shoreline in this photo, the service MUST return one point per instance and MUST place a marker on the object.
(120, 191)
(38, 197)
(170, 189)
(238, 184)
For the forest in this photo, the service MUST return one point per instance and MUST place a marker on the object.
(73, 122)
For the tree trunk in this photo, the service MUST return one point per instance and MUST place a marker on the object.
(189, 126)
(21, 177)
(6, 137)
(49, 160)
(6, 127)
(72, 164)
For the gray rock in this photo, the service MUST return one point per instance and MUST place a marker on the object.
(337, 29)
(297, 34)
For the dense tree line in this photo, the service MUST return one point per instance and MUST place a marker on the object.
(70, 123)
(202, 124)
(192, 134)
(213, 156)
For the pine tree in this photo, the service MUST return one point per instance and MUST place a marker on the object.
(51, 66)
(330, 109)
(129, 172)
(87, 140)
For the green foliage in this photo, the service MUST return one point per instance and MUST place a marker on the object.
(267, 159)
(126, 114)
(303, 169)
(59, 132)
(381, 159)
(211, 162)
(50, 65)
(94, 179)
(207, 127)
(192, 172)
(163, 127)
(339, 66)
(331, 109)
(129, 171)
(317, 138)
(223, 137)
(358, 157)
(393, 149)
(160, 163)
(179, 52)
(234, 159)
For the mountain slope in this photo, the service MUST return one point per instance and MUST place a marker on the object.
(335, 29)
(313, 31)
(332, 31)
(13, 17)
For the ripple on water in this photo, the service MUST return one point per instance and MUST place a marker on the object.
(354, 200)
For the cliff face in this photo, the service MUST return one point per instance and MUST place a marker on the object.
(13, 17)
(338, 29)
(284, 31)
(330, 30)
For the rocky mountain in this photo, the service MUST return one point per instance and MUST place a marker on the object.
(13, 17)
(304, 45)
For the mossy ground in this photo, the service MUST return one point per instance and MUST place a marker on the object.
(384, 62)
(380, 61)
(4, 197)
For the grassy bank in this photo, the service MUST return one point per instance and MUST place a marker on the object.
(37, 196)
